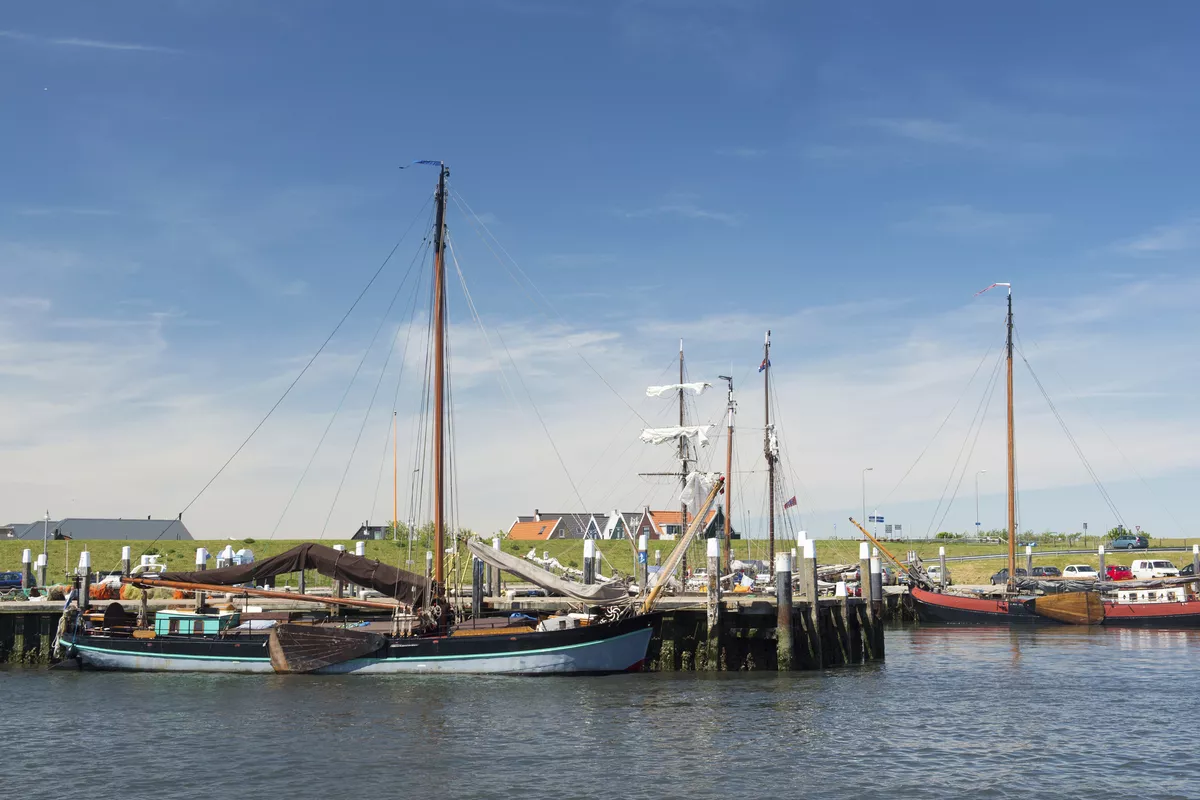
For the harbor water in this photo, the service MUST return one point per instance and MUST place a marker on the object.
(953, 712)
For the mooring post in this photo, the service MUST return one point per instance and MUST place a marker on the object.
(85, 570)
(338, 587)
(712, 649)
(657, 557)
(201, 566)
(125, 561)
(643, 564)
(428, 565)
(41, 569)
(1029, 560)
(302, 582)
(942, 564)
(876, 587)
(1195, 564)
(496, 570)
(808, 576)
(477, 567)
(589, 568)
(26, 568)
(1100, 572)
(783, 611)
(864, 572)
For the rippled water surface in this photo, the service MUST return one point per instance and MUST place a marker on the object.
(954, 712)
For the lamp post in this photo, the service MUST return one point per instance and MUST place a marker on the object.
(977, 474)
(864, 492)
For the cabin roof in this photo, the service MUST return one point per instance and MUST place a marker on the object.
(533, 530)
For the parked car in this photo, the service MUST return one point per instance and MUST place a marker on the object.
(1080, 572)
(1190, 569)
(1002, 576)
(10, 580)
(1129, 541)
(1118, 572)
(1145, 569)
(1046, 572)
(935, 573)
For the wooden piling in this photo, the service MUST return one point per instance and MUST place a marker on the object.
(1195, 562)
(125, 561)
(201, 566)
(643, 564)
(1100, 572)
(589, 558)
(808, 577)
(339, 588)
(712, 650)
(876, 607)
(942, 563)
(784, 651)
(864, 571)
(494, 584)
(302, 582)
(477, 577)
(26, 568)
(42, 568)
(85, 569)
(1029, 560)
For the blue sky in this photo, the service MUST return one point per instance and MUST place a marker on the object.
(195, 191)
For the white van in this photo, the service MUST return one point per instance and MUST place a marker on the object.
(1145, 569)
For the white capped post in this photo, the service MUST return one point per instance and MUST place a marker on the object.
(864, 550)
(942, 563)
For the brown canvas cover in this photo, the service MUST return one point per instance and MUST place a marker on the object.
(407, 587)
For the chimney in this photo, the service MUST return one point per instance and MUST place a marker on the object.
(537, 515)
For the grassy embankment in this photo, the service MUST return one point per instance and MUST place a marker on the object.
(178, 555)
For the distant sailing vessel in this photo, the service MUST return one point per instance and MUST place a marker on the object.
(416, 632)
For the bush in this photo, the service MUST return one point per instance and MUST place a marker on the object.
(247, 541)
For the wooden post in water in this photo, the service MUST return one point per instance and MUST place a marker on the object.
(783, 616)
(942, 564)
(589, 567)
(302, 582)
(26, 568)
(85, 584)
(1029, 560)
(495, 585)
(876, 588)
(1195, 562)
(360, 549)
(477, 568)
(808, 578)
(126, 558)
(1100, 572)
(201, 566)
(41, 569)
(864, 572)
(643, 564)
(338, 587)
(713, 607)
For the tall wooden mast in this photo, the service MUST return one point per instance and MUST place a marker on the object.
(683, 462)
(728, 556)
(439, 402)
(768, 450)
(1012, 461)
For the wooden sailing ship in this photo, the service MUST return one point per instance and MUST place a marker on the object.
(415, 631)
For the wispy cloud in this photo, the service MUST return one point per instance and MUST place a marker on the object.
(741, 152)
(970, 222)
(1178, 237)
(685, 210)
(97, 44)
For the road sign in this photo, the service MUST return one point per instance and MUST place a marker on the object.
(874, 519)
(897, 528)
(887, 528)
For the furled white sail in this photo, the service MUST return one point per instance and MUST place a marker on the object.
(697, 487)
(660, 435)
(659, 391)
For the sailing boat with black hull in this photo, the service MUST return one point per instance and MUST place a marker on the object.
(415, 631)
(1010, 608)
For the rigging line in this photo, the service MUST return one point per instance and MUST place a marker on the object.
(1113, 442)
(382, 372)
(787, 457)
(987, 391)
(466, 208)
(1070, 438)
(963, 473)
(345, 394)
(939, 428)
(505, 387)
(412, 315)
(320, 349)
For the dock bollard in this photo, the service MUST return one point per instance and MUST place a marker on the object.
(201, 566)
(865, 586)
(783, 608)
(942, 563)
(657, 557)
(1029, 560)
(85, 570)
(713, 606)
(1100, 572)
(876, 586)
(808, 579)
(41, 569)
(643, 564)
(26, 568)
(125, 559)
(589, 566)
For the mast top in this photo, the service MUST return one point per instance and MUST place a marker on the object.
(993, 286)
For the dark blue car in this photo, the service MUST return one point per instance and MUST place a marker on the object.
(10, 580)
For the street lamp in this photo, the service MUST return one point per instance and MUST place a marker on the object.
(864, 492)
(977, 474)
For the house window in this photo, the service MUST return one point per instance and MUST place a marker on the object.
(646, 531)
